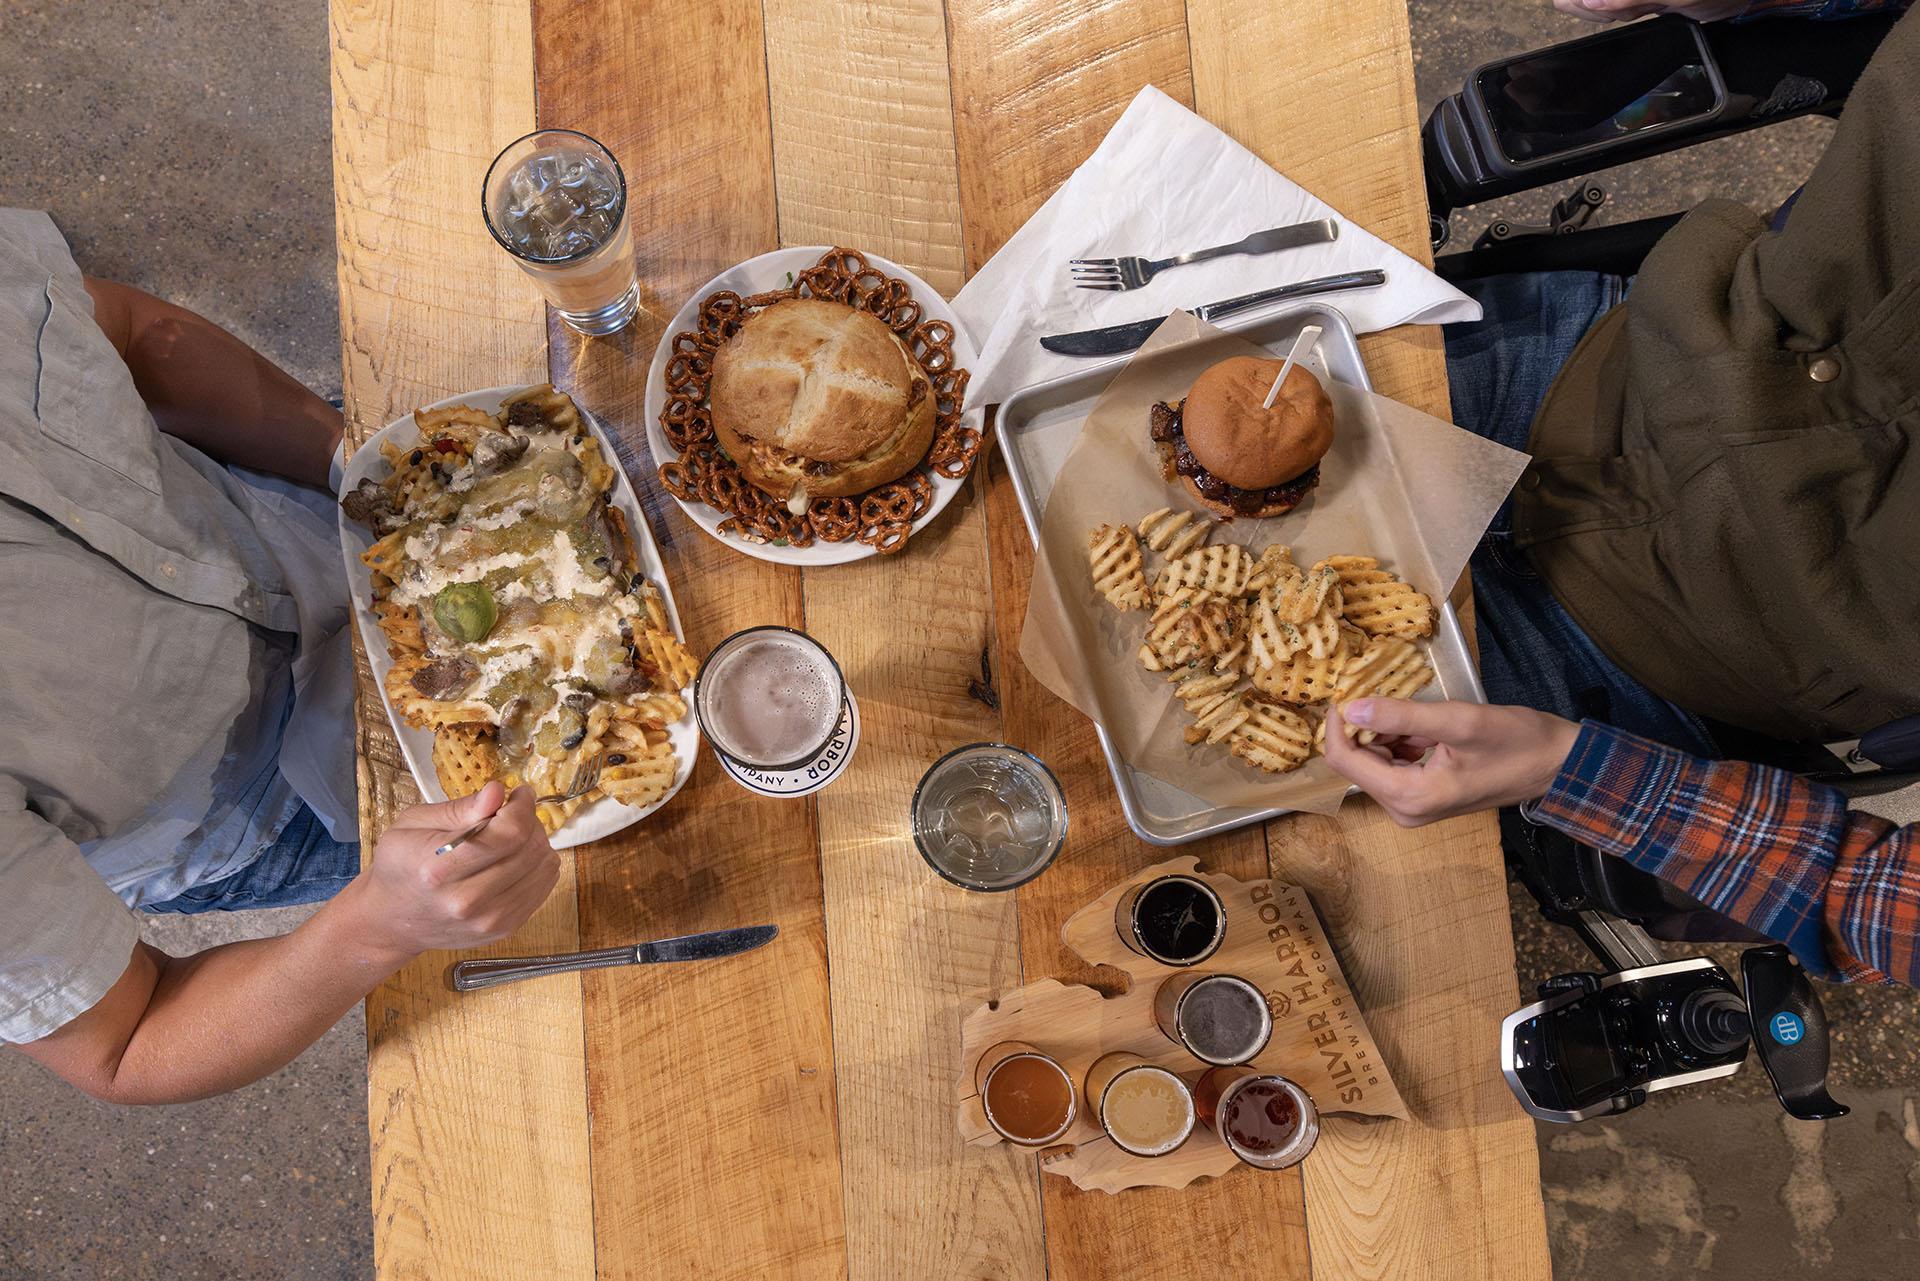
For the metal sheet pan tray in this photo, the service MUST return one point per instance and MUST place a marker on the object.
(1037, 428)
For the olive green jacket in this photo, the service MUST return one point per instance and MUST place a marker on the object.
(1726, 492)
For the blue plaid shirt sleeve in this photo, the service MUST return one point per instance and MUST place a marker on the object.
(1838, 887)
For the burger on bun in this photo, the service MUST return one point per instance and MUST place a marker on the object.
(813, 399)
(1235, 457)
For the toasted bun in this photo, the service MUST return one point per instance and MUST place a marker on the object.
(814, 394)
(1250, 447)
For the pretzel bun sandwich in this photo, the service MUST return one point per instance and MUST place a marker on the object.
(1235, 457)
(812, 399)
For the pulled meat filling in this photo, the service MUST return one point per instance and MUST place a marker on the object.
(444, 677)
(1164, 425)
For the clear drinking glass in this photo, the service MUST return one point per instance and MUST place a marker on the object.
(989, 817)
(557, 201)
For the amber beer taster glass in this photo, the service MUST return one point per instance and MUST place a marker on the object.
(1175, 920)
(1266, 1120)
(1027, 1096)
(1217, 1018)
(557, 201)
(1145, 1109)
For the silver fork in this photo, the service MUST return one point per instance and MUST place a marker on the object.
(1131, 273)
(583, 782)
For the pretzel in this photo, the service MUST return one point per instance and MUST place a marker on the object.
(891, 503)
(881, 517)
(835, 520)
(922, 487)
(886, 538)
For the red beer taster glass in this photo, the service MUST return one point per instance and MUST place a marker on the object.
(1266, 1120)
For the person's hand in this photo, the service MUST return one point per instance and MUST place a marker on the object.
(1436, 760)
(1628, 10)
(482, 890)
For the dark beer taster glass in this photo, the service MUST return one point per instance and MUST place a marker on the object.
(1175, 920)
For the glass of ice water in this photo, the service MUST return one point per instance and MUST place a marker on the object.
(989, 817)
(557, 201)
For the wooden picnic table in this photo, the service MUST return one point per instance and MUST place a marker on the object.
(789, 1113)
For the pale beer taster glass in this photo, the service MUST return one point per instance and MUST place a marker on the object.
(1145, 1109)
(557, 201)
(989, 817)
(769, 698)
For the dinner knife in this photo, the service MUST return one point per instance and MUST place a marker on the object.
(1118, 338)
(494, 970)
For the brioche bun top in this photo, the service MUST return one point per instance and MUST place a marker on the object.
(1250, 447)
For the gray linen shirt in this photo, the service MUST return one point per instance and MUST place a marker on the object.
(158, 613)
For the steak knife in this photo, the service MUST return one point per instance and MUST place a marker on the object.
(1118, 338)
(494, 970)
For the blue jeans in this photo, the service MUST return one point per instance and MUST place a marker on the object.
(303, 865)
(1531, 650)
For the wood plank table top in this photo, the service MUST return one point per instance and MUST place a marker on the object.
(789, 1113)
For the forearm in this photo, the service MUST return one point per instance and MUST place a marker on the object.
(225, 1017)
(208, 388)
(1784, 856)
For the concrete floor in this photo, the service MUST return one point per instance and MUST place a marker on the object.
(197, 166)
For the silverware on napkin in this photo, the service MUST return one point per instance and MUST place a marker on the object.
(1118, 338)
(1132, 273)
(495, 970)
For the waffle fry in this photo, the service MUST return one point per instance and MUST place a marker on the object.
(1273, 737)
(1223, 618)
(1274, 563)
(1222, 569)
(1297, 600)
(1320, 635)
(1273, 642)
(464, 759)
(1113, 554)
(639, 779)
(1390, 667)
(1301, 679)
(1389, 608)
(676, 663)
(1172, 533)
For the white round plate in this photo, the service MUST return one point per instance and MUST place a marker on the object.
(757, 275)
(591, 821)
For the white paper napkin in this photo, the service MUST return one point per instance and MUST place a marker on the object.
(1163, 181)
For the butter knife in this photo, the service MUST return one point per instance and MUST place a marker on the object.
(492, 971)
(1118, 338)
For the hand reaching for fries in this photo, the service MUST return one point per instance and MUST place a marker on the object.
(1431, 761)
